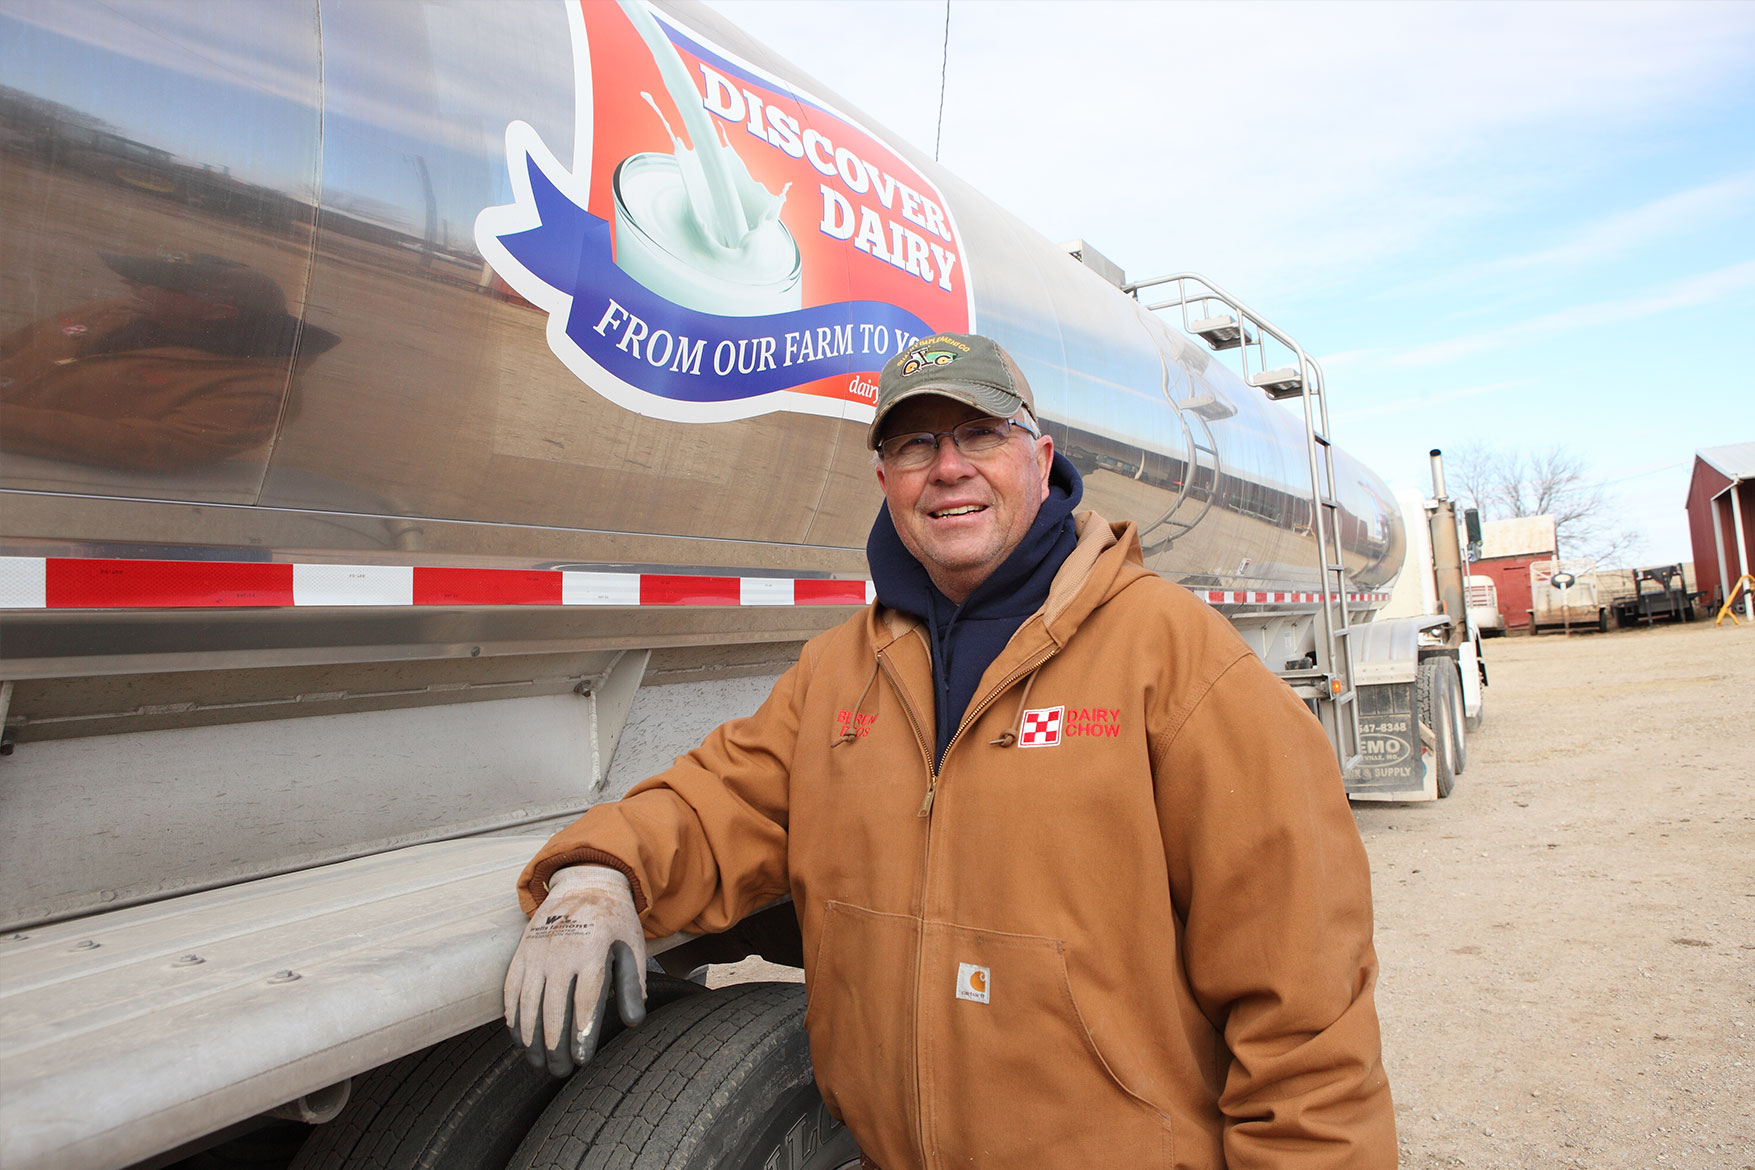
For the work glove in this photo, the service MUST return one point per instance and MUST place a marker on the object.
(583, 945)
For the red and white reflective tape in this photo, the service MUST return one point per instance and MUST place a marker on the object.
(94, 583)
(91, 583)
(1223, 597)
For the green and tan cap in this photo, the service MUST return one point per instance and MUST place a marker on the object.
(962, 366)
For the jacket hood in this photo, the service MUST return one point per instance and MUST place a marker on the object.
(1106, 560)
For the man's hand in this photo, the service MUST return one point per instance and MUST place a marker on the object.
(583, 944)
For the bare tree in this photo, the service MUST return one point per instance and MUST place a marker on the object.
(1471, 472)
(1508, 482)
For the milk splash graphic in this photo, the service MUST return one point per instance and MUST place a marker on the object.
(693, 225)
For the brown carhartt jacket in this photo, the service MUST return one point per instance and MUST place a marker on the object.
(1128, 923)
(161, 408)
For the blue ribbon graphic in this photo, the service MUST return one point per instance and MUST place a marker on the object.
(570, 251)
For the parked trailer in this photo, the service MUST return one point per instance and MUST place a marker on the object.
(1659, 594)
(419, 422)
(1484, 606)
(1564, 596)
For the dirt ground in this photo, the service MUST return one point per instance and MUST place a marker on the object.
(1568, 941)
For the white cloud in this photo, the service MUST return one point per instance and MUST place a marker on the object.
(1426, 400)
(1610, 236)
(1352, 359)
(1286, 145)
(1691, 292)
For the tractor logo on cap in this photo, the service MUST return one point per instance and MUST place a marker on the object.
(921, 358)
(933, 351)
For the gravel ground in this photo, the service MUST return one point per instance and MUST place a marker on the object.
(1568, 941)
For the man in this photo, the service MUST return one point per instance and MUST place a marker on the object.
(1147, 943)
(191, 368)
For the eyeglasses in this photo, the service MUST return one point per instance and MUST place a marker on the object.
(917, 449)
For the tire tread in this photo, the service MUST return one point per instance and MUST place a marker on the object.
(416, 1113)
(644, 1102)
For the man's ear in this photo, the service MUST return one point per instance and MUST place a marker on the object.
(1044, 461)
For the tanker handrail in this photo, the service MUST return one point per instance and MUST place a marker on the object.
(1218, 294)
(1338, 709)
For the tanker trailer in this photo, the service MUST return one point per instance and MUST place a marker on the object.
(419, 422)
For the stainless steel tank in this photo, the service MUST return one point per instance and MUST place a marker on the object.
(399, 402)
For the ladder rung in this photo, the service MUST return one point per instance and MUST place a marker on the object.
(1222, 332)
(1282, 383)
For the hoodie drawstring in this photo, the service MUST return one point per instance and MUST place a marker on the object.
(1009, 736)
(851, 731)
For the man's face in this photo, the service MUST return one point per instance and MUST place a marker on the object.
(962, 515)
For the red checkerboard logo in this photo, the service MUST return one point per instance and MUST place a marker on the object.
(1041, 727)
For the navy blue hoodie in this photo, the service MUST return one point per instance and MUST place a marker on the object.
(967, 638)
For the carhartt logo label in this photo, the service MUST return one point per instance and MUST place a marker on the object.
(1041, 727)
(972, 982)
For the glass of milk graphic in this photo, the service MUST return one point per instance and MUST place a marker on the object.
(693, 226)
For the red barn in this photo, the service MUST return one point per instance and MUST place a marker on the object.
(1721, 518)
(1507, 549)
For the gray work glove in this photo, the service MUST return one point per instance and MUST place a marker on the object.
(583, 944)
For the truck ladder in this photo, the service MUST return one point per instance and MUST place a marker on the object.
(1224, 322)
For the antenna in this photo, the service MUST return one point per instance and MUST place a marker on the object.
(943, 61)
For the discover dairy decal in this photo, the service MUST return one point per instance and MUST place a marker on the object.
(725, 244)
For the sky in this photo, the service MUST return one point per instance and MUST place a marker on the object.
(1517, 225)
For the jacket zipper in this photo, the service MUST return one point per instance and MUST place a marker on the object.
(975, 713)
(920, 936)
(926, 854)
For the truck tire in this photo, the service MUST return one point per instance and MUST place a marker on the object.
(1436, 710)
(1459, 719)
(463, 1104)
(720, 1081)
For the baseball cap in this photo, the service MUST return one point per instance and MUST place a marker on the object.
(962, 366)
(202, 274)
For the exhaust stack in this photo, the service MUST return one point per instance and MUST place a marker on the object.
(1448, 568)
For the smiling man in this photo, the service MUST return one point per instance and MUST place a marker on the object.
(1028, 944)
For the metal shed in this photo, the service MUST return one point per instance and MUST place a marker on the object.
(1721, 519)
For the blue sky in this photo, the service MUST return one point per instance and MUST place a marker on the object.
(1517, 224)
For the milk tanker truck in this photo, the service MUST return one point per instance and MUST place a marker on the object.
(421, 421)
